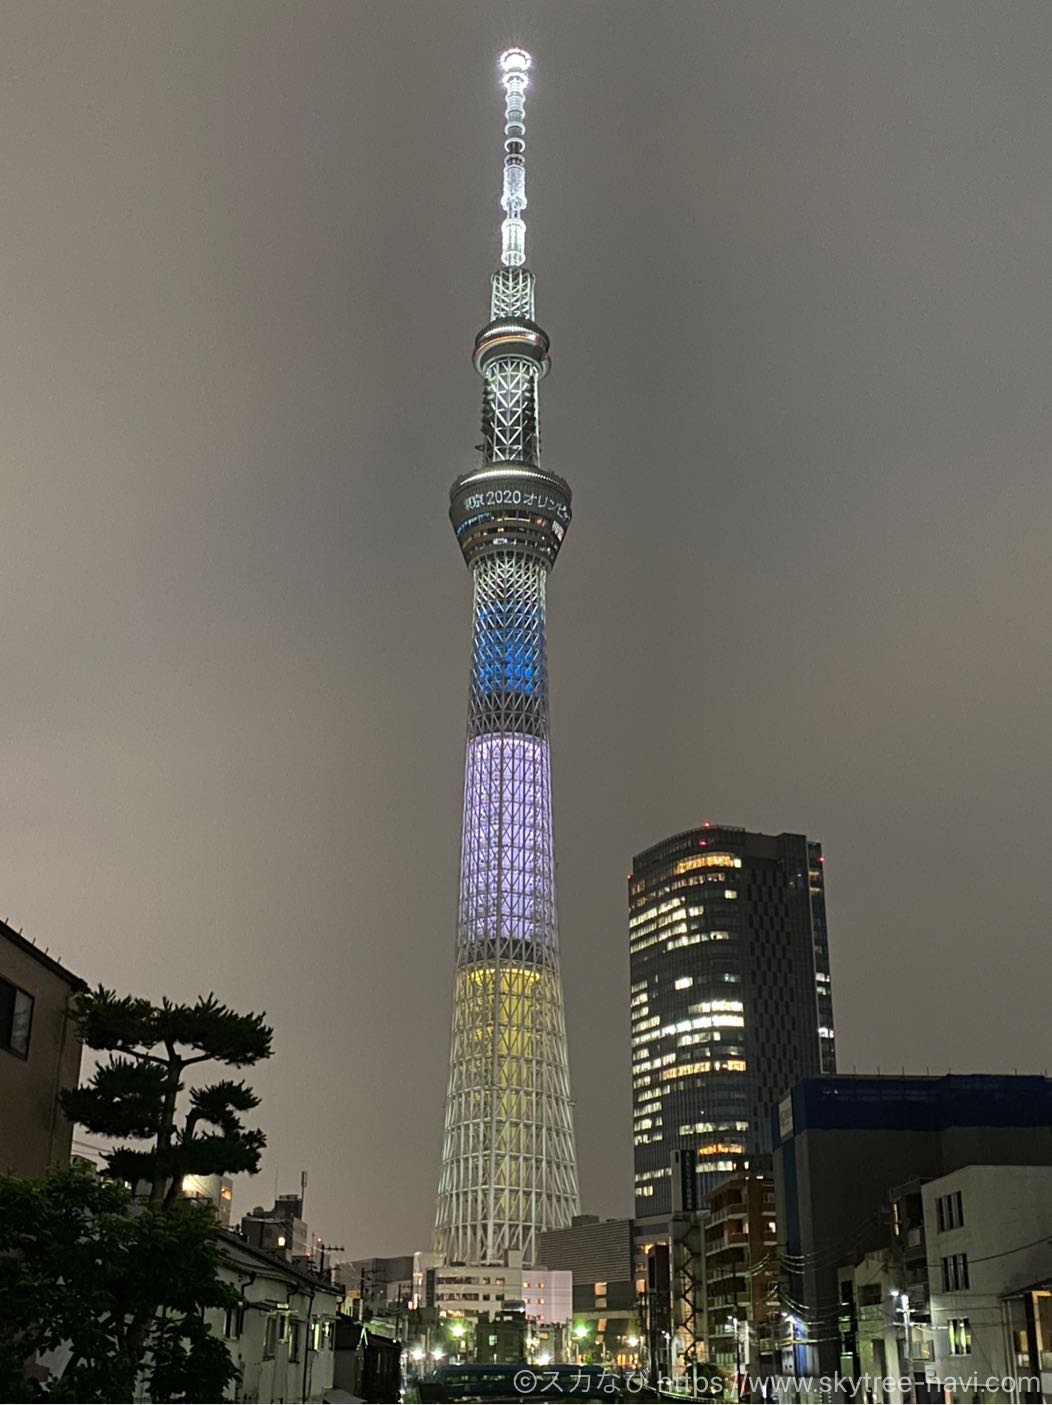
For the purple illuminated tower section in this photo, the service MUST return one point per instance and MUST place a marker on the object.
(509, 1167)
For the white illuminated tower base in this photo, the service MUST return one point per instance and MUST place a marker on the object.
(509, 1168)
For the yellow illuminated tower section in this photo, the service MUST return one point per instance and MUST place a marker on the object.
(509, 1167)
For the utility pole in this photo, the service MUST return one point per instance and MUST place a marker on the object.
(324, 1249)
(904, 1303)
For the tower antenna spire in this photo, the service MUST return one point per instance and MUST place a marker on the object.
(515, 64)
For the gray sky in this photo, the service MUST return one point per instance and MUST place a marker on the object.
(794, 263)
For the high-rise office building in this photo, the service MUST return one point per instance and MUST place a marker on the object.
(508, 1159)
(730, 1000)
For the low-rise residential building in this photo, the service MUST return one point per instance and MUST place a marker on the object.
(467, 1290)
(1028, 1311)
(368, 1364)
(669, 1265)
(598, 1256)
(377, 1283)
(955, 1302)
(501, 1337)
(281, 1229)
(215, 1191)
(547, 1294)
(989, 1233)
(741, 1278)
(885, 1330)
(40, 1053)
(844, 1147)
(281, 1340)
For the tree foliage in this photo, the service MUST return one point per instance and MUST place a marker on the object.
(123, 1288)
(134, 1094)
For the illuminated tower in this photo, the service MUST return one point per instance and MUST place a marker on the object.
(508, 1162)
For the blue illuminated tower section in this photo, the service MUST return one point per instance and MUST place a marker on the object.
(509, 1166)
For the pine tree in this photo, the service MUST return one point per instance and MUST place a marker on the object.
(123, 1282)
(134, 1094)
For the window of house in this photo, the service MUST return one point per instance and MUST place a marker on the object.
(270, 1336)
(949, 1211)
(235, 1323)
(955, 1273)
(294, 1338)
(16, 1017)
(960, 1336)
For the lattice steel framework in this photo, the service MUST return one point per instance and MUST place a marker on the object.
(508, 1161)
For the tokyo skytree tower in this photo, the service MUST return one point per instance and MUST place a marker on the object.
(508, 1161)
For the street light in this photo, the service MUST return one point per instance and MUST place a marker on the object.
(733, 1325)
(580, 1333)
(904, 1306)
(457, 1331)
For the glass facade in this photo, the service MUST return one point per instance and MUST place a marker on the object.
(731, 998)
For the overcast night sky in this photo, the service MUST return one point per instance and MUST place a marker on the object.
(794, 262)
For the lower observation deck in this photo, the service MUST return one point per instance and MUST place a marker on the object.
(510, 505)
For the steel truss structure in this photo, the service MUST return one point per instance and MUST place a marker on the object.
(508, 1161)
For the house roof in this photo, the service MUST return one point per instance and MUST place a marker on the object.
(1043, 1285)
(31, 949)
(278, 1262)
